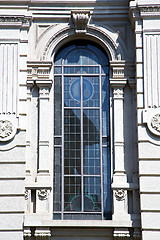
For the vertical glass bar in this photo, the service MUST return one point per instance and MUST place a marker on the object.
(57, 178)
(58, 106)
(106, 182)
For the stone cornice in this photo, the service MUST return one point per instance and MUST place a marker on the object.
(145, 10)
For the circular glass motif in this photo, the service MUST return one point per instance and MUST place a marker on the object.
(75, 90)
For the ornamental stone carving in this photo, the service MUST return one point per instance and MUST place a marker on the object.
(155, 122)
(118, 92)
(26, 194)
(6, 130)
(80, 20)
(120, 194)
(43, 194)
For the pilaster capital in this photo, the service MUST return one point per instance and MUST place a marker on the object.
(38, 70)
(117, 74)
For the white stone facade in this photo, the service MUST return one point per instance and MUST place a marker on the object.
(31, 33)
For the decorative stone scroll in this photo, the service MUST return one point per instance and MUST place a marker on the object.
(43, 194)
(120, 194)
(80, 20)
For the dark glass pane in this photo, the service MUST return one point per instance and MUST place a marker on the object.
(57, 141)
(92, 194)
(72, 141)
(72, 92)
(57, 106)
(81, 56)
(105, 70)
(91, 139)
(57, 216)
(106, 182)
(91, 92)
(57, 179)
(72, 194)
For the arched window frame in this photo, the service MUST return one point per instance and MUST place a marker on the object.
(60, 214)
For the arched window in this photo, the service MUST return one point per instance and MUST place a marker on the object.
(81, 133)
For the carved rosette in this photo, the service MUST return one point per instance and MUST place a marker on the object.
(80, 20)
(43, 194)
(7, 130)
(120, 194)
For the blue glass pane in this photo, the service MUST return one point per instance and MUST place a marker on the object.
(81, 56)
(91, 92)
(57, 178)
(72, 141)
(58, 105)
(72, 194)
(106, 181)
(105, 106)
(57, 70)
(92, 194)
(91, 139)
(72, 92)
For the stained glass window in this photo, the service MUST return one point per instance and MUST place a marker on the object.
(81, 133)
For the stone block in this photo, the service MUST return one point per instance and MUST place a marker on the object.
(150, 184)
(151, 220)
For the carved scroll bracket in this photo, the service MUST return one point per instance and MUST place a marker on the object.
(80, 20)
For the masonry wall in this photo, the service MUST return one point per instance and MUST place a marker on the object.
(147, 22)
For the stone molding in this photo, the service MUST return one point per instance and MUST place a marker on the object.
(15, 21)
(80, 20)
(42, 233)
(121, 233)
(38, 70)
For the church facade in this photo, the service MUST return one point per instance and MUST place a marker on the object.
(79, 119)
